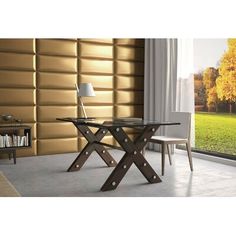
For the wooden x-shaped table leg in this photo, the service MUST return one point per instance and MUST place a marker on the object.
(90, 147)
(133, 155)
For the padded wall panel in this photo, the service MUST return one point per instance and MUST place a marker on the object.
(56, 130)
(33, 129)
(17, 96)
(33, 150)
(56, 64)
(98, 81)
(96, 66)
(17, 79)
(96, 57)
(25, 113)
(129, 53)
(50, 113)
(57, 47)
(28, 151)
(56, 80)
(102, 97)
(129, 83)
(56, 97)
(55, 146)
(129, 111)
(131, 42)
(100, 40)
(96, 51)
(130, 68)
(98, 111)
(53, 66)
(129, 97)
(14, 61)
(17, 45)
(18, 84)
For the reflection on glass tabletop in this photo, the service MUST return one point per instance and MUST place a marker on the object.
(116, 122)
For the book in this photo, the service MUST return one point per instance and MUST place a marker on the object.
(27, 140)
(7, 143)
(22, 141)
(18, 141)
(10, 141)
(1, 142)
(14, 141)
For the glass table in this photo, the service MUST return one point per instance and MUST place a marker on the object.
(132, 148)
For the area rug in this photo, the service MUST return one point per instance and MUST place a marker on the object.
(6, 188)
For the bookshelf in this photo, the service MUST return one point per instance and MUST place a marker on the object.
(13, 137)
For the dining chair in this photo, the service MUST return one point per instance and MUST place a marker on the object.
(177, 134)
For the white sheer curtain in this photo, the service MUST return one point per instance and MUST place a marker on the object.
(168, 80)
(185, 81)
(160, 80)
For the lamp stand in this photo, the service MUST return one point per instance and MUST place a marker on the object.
(82, 105)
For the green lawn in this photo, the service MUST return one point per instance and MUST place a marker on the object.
(215, 132)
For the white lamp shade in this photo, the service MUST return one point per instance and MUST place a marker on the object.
(86, 90)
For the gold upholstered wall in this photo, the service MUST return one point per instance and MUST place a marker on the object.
(37, 78)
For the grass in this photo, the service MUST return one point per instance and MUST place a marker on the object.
(215, 132)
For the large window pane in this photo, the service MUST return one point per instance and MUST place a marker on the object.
(215, 95)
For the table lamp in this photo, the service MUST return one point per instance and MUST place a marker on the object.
(84, 90)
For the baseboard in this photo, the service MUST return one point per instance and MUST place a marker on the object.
(208, 157)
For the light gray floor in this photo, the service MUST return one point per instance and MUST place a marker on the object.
(46, 176)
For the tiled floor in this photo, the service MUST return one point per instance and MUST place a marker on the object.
(47, 176)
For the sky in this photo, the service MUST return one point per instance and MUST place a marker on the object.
(207, 52)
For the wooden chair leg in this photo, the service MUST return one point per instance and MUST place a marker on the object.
(163, 147)
(188, 147)
(169, 155)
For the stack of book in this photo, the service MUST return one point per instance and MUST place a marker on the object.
(14, 141)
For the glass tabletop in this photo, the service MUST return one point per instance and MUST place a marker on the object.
(116, 122)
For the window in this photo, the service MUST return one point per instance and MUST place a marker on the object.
(215, 96)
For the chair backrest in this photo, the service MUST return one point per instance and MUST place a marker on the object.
(182, 130)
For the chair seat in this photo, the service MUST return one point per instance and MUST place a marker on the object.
(168, 139)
